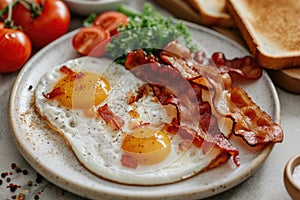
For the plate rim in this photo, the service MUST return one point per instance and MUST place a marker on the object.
(71, 186)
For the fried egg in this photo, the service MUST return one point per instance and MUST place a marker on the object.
(100, 148)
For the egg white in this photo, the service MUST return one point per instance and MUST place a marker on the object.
(97, 146)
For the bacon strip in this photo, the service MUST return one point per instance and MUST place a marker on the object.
(209, 124)
(110, 118)
(128, 161)
(54, 93)
(245, 66)
(206, 139)
(64, 69)
(59, 91)
(253, 124)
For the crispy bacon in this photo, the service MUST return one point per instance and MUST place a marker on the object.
(174, 47)
(64, 69)
(170, 87)
(131, 98)
(179, 63)
(166, 83)
(141, 92)
(128, 161)
(54, 93)
(261, 132)
(135, 58)
(110, 118)
(244, 66)
(179, 81)
(206, 139)
(209, 124)
(59, 91)
(253, 124)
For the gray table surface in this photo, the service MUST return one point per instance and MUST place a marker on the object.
(266, 183)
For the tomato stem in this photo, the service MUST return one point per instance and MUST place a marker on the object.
(5, 9)
(34, 8)
(31, 5)
(8, 23)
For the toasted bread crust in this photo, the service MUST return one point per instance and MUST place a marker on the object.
(217, 16)
(274, 44)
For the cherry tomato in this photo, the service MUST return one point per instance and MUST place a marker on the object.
(51, 23)
(15, 49)
(111, 21)
(3, 4)
(91, 41)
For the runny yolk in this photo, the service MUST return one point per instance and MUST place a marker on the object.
(146, 145)
(82, 90)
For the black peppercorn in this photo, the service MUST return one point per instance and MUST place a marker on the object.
(25, 172)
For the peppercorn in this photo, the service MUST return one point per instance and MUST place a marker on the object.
(18, 169)
(13, 165)
(13, 188)
(3, 175)
(25, 172)
(21, 196)
(39, 178)
(29, 183)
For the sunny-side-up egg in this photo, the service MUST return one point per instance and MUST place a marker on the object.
(68, 97)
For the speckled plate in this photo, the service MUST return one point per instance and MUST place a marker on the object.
(51, 157)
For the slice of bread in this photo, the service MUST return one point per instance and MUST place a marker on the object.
(271, 29)
(212, 12)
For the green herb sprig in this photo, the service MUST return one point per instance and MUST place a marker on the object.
(146, 30)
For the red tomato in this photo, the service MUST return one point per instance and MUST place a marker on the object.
(51, 23)
(91, 41)
(111, 21)
(15, 49)
(3, 3)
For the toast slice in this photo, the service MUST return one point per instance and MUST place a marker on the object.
(212, 12)
(271, 30)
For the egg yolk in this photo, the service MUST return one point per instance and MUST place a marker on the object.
(146, 145)
(83, 90)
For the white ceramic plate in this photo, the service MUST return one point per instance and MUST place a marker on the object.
(86, 7)
(50, 156)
